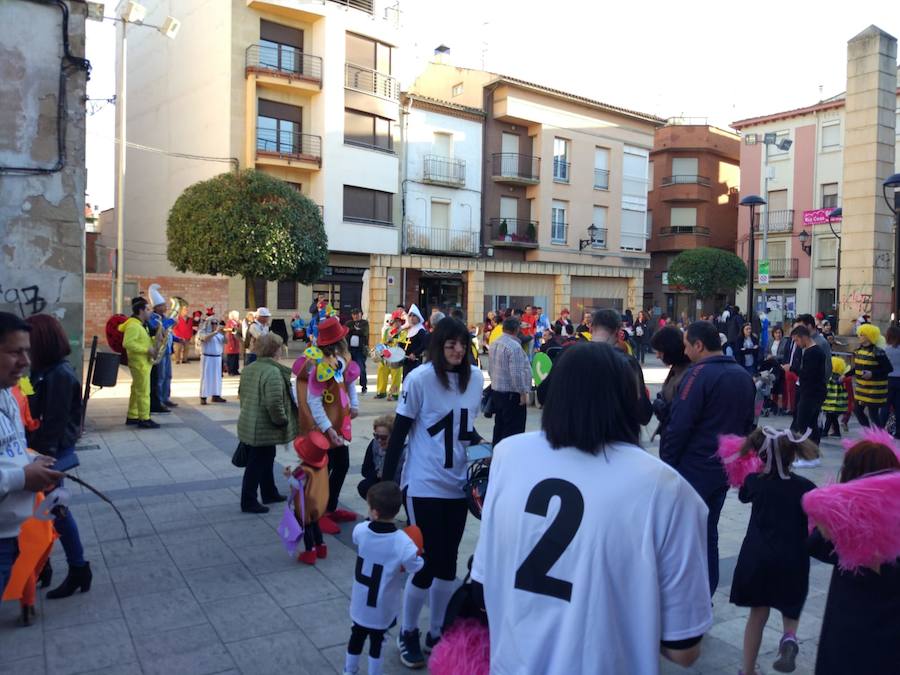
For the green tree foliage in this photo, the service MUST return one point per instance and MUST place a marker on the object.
(247, 224)
(708, 271)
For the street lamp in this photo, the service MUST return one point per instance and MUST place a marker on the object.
(836, 214)
(128, 12)
(592, 234)
(751, 201)
(804, 242)
(893, 183)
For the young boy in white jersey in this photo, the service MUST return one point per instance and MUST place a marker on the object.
(384, 553)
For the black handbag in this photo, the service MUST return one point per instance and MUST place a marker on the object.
(241, 455)
(487, 402)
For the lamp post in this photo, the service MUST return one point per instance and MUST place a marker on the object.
(751, 201)
(834, 214)
(592, 234)
(893, 183)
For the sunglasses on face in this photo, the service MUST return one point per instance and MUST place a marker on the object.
(380, 437)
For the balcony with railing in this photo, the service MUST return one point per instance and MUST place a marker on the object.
(513, 232)
(448, 171)
(601, 179)
(685, 188)
(780, 221)
(784, 268)
(561, 170)
(368, 81)
(516, 169)
(283, 67)
(680, 238)
(288, 148)
(445, 241)
(367, 6)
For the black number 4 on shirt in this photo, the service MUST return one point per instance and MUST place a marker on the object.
(532, 575)
(445, 425)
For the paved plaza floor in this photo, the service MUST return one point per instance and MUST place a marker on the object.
(208, 589)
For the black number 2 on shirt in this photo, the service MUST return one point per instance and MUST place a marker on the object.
(445, 425)
(532, 575)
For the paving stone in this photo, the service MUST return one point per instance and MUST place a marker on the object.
(218, 497)
(147, 578)
(299, 585)
(168, 512)
(196, 650)
(322, 621)
(242, 534)
(89, 647)
(31, 666)
(182, 532)
(276, 654)
(15, 642)
(141, 550)
(98, 604)
(198, 554)
(223, 581)
(264, 559)
(162, 611)
(245, 617)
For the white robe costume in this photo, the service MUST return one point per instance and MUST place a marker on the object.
(211, 365)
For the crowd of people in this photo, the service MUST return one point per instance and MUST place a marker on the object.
(583, 532)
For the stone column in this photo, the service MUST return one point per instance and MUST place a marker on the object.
(562, 295)
(377, 302)
(635, 298)
(475, 296)
(867, 241)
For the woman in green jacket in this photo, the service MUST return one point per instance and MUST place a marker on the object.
(268, 418)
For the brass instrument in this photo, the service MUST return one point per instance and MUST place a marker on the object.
(163, 334)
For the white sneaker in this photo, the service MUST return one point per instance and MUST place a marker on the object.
(807, 463)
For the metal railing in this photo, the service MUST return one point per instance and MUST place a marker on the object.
(601, 179)
(780, 220)
(442, 240)
(445, 170)
(283, 60)
(561, 170)
(514, 165)
(684, 229)
(367, 6)
(599, 238)
(518, 230)
(371, 81)
(685, 179)
(784, 268)
(289, 144)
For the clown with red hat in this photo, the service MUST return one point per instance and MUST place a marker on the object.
(389, 354)
(327, 402)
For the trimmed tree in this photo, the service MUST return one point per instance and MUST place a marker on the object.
(708, 272)
(247, 224)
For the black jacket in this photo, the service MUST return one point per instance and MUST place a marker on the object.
(417, 347)
(715, 397)
(361, 330)
(740, 351)
(810, 370)
(56, 402)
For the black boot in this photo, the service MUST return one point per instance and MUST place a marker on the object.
(77, 578)
(27, 617)
(46, 575)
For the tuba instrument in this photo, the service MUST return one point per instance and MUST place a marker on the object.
(166, 326)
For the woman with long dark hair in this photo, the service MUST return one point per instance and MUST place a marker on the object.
(56, 403)
(437, 408)
(584, 533)
(668, 342)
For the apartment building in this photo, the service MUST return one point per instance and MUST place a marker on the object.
(693, 203)
(802, 184)
(301, 89)
(564, 196)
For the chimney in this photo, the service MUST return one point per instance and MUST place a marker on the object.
(442, 54)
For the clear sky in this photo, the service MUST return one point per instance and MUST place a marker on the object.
(697, 58)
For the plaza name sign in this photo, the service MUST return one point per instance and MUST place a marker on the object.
(818, 217)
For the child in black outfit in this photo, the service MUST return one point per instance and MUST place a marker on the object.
(384, 553)
(773, 566)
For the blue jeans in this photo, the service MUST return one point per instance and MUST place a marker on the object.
(9, 551)
(715, 501)
(67, 529)
(359, 354)
(165, 379)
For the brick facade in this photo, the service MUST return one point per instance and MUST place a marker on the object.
(199, 292)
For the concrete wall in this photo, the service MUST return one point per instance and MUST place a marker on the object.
(42, 215)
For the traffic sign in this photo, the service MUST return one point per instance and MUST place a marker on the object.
(763, 272)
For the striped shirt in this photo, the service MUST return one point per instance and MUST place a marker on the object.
(836, 397)
(509, 368)
(874, 389)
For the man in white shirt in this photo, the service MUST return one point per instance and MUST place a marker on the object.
(592, 553)
(257, 329)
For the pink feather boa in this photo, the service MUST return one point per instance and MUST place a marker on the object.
(737, 468)
(464, 648)
(861, 517)
(874, 435)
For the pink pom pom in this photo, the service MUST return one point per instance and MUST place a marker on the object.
(464, 648)
(874, 434)
(298, 365)
(860, 517)
(737, 468)
(352, 372)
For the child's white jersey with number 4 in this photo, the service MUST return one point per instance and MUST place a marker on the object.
(382, 550)
(589, 561)
(443, 418)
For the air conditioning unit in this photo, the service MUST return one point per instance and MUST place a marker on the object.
(751, 139)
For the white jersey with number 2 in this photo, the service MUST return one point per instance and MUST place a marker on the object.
(588, 562)
(443, 418)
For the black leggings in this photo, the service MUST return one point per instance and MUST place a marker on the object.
(338, 466)
(832, 421)
(870, 414)
(312, 536)
(358, 635)
(442, 522)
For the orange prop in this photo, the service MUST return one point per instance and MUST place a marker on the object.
(414, 533)
(35, 543)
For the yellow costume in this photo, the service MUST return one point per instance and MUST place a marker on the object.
(137, 344)
(387, 371)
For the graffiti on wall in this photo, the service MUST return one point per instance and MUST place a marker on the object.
(860, 301)
(29, 300)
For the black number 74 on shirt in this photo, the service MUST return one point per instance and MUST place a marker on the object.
(445, 425)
